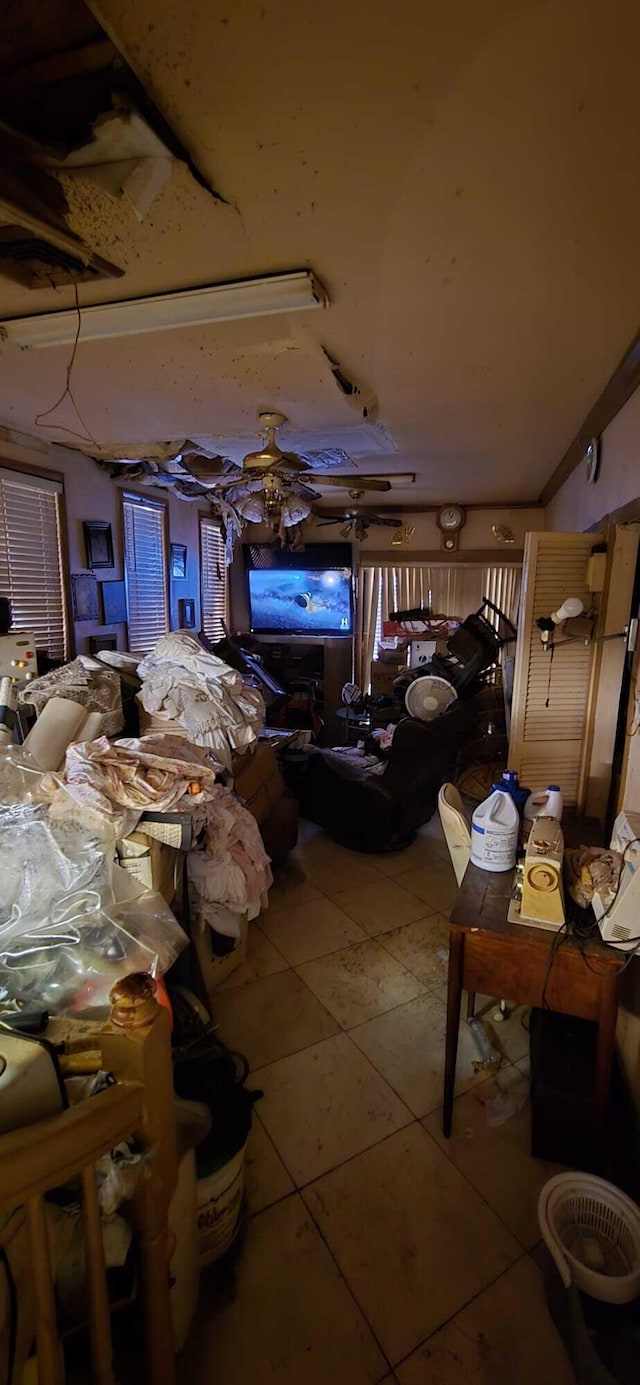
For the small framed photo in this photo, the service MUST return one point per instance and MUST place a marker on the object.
(84, 597)
(114, 601)
(178, 560)
(98, 540)
(187, 614)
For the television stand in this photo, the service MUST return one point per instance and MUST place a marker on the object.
(325, 660)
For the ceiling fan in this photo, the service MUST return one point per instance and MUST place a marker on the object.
(275, 469)
(355, 524)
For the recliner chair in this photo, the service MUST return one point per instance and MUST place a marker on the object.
(369, 809)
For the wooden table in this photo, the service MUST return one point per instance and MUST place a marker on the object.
(489, 955)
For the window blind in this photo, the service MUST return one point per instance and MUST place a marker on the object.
(145, 561)
(31, 558)
(453, 589)
(215, 598)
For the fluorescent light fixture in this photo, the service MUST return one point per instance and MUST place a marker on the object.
(275, 293)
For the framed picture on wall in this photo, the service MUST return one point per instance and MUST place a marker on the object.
(187, 614)
(84, 597)
(98, 540)
(178, 560)
(114, 600)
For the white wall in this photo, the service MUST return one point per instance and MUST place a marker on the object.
(578, 505)
(90, 493)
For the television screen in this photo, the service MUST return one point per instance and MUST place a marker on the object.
(301, 601)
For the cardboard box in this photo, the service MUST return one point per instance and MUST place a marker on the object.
(216, 969)
(383, 675)
(154, 864)
(258, 781)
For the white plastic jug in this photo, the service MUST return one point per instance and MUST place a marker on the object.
(494, 832)
(544, 803)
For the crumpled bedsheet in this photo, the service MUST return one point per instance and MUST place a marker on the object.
(97, 690)
(106, 786)
(229, 868)
(120, 780)
(182, 682)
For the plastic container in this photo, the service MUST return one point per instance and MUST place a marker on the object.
(592, 1230)
(544, 803)
(518, 792)
(494, 832)
(184, 1267)
(220, 1191)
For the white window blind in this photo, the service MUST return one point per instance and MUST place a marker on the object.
(30, 558)
(214, 579)
(145, 560)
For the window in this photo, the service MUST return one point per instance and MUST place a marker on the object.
(30, 558)
(145, 563)
(214, 579)
(452, 589)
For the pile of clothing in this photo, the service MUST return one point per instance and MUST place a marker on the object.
(181, 682)
(115, 782)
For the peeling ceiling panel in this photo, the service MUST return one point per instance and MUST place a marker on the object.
(464, 180)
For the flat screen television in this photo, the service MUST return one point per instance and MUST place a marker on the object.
(300, 601)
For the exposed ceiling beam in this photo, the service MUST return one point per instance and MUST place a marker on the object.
(617, 391)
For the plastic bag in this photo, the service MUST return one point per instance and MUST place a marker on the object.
(20, 776)
(71, 921)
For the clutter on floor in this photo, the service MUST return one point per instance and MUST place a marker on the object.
(88, 898)
(183, 683)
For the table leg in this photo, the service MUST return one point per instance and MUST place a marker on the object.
(454, 996)
(608, 1012)
(471, 1004)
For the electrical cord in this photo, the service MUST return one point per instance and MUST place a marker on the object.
(12, 1295)
(87, 436)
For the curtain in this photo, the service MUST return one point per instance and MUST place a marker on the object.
(450, 589)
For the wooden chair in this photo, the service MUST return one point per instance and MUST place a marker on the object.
(135, 1046)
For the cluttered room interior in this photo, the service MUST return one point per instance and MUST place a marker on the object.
(319, 693)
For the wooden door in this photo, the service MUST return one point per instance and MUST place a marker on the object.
(552, 692)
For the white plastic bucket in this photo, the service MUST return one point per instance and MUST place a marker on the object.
(494, 832)
(184, 1266)
(220, 1193)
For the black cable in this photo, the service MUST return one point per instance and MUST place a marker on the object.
(67, 391)
(13, 1312)
(562, 936)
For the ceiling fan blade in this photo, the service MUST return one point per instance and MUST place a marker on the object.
(352, 483)
(295, 463)
(305, 492)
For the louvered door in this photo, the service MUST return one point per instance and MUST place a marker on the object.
(552, 692)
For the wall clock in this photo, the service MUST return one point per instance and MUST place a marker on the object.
(450, 519)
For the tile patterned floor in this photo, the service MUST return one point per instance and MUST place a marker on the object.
(376, 1252)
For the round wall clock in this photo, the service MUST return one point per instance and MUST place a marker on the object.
(450, 520)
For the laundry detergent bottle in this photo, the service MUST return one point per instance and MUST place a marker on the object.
(544, 803)
(518, 792)
(494, 831)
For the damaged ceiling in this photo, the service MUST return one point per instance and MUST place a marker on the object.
(463, 180)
